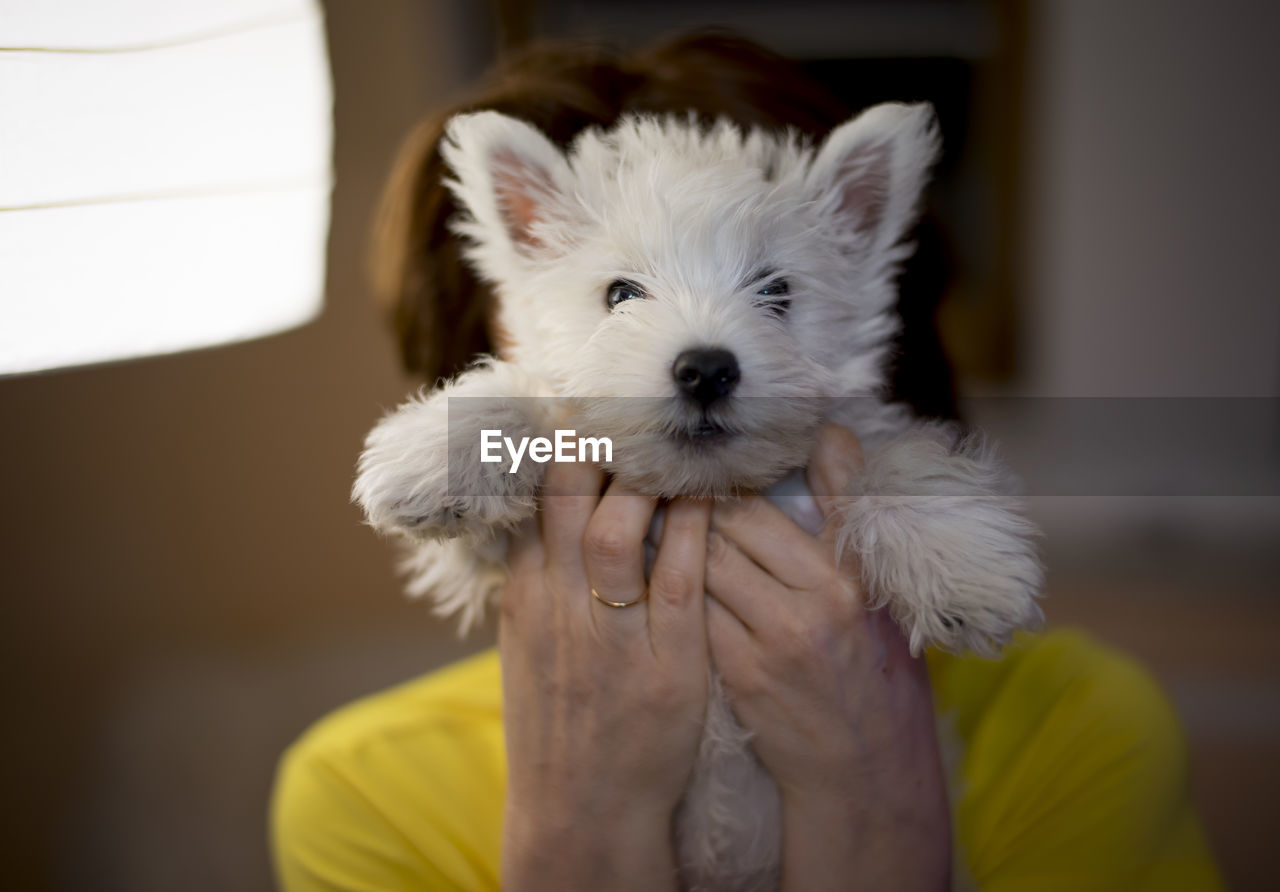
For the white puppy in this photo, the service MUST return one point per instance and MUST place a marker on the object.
(704, 298)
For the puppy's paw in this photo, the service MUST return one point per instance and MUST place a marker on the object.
(431, 515)
(420, 474)
(436, 514)
(949, 556)
(980, 583)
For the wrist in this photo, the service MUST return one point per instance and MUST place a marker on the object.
(623, 848)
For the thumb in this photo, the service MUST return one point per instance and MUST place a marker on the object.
(835, 458)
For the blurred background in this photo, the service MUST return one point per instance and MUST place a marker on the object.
(186, 587)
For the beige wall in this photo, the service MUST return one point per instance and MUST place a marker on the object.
(184, 583)
(1151, 199)
(1151, 193)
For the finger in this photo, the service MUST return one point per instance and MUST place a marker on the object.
(570, 493)
(836, 456)
(730, 642)
(677, 586)
(613, 553)
(522, 595)
(772, 540)
(741, 585)
(524, 549)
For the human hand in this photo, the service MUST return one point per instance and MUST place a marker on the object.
(603, 706)
(841, 712)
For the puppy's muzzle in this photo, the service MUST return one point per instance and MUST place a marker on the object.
(706, 374)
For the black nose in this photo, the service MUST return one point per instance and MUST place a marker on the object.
(706, 374)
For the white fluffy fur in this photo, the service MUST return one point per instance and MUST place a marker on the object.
(700, 218)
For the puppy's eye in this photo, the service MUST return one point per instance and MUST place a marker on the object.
(776, 288)
(775, 301)
(622, 290)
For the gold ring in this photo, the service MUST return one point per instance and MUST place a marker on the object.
(605, 601)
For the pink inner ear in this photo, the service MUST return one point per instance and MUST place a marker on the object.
(863, 179)
(521, 188)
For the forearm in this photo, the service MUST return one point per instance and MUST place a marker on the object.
(630, 850)
(835, 842)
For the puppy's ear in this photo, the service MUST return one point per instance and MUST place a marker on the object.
(871, 171)
(512, 181)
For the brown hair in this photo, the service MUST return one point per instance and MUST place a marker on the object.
(439, 309)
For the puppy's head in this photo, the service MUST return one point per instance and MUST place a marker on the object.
(698, 291)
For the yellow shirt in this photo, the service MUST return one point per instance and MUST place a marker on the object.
(1072, 767)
